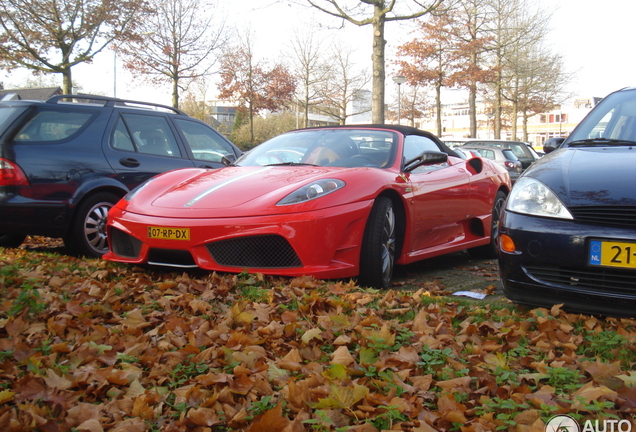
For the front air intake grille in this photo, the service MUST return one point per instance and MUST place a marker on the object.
(599, 279)
(609, 216)
(124, 245)
(171, 258)
(264, 251)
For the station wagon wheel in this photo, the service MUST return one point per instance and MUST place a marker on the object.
(377, 257)
(490, 250)
(87, 235)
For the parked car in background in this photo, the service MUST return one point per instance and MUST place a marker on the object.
(464, 153)
(64, 162)
(455, 143)
(523, 151)
(333, 202)
(568, 231)
(503, 157)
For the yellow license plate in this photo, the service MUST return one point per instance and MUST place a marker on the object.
(166, 233)
(612, 254)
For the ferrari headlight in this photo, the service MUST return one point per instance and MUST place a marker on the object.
(312, 191)
(532, 197)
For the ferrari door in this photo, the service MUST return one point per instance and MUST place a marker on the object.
(439, 199)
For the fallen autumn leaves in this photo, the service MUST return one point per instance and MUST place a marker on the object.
(87, 345)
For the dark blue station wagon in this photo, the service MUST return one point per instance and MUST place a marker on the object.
(65, 161)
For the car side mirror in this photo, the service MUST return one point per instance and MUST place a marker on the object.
(228, 159)
(552, 144)
(425, 158)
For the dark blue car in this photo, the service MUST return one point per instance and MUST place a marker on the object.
(567, 233)
(66, 161)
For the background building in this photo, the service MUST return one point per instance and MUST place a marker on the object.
(558, 122)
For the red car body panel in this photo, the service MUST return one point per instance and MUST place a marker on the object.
(440, 210)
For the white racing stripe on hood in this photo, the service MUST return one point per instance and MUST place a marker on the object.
(199, 197)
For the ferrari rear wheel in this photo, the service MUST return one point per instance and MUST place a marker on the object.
(379, 245)
(490, 250)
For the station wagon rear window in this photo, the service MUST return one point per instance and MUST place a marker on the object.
(7, 115)
(53, 126)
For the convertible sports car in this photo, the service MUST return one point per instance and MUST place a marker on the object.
(334, 202)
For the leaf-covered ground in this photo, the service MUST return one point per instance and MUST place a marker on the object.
(87, 345)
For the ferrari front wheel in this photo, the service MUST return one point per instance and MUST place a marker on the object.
(377, 257)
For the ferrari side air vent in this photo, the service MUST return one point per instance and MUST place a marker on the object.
(476, 164)
(263, 251)
(124, 245)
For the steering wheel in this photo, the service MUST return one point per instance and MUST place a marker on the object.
(366, 159)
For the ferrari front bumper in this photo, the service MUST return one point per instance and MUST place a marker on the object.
(323, 243)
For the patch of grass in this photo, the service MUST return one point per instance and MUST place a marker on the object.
(385, 420)
(607, 346)
(187, 370)
(28, 301)
(255, 294)
(434, 359)
(564, 380)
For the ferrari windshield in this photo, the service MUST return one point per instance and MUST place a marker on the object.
(611, 123)
(326, 147)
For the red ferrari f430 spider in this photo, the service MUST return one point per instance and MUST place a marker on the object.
(332, 202)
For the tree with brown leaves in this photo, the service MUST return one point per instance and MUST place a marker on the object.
(252, 84)
(430, 58)
(47, 36)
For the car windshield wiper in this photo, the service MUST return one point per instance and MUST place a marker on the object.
(290, 164)
(600, 142)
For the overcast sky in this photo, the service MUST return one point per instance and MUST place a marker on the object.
(595, 37)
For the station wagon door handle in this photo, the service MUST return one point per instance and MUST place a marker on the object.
(129, 162)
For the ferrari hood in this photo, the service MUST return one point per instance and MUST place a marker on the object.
(589, 176)
(234, 186)
(230, 191)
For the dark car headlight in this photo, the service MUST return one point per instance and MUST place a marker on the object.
(312, 191)
(532, 197)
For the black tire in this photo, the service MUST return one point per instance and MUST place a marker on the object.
(491, 250)
(377, 257)
(87, 234)
(11, 240)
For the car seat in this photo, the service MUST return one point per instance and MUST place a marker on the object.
(154, 143)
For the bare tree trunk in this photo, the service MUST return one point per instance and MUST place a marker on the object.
(251, 113)
(175, 92)
(306, 106)
(438, 108)
(498, 109)
(472, 109)
(67, 81)
(513, 119)
(377, 104)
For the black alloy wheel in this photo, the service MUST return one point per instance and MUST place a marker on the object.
(379, 245)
